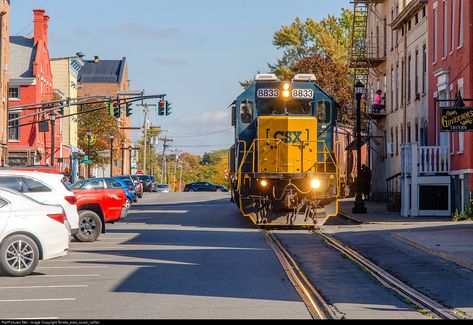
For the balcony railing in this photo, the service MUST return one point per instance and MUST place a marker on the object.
(424, 161)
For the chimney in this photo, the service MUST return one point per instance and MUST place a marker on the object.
(96, 59)
(45, 29)
(38, 25)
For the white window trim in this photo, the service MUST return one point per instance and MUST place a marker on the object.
(14, 98)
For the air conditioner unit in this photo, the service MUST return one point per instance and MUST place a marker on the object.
(390, 149)
(266, 77)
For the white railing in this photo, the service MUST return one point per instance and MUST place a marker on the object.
(434, 160)
(424, 160)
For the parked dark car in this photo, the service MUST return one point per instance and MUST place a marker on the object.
(204, 187)
(136, 182)
(155, 183)
(147, 182)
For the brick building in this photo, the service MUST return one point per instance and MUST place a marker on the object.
(4, 75)
(30, 82)
(451, 72)
(107, 78)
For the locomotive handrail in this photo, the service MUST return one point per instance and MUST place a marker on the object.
(325, 152)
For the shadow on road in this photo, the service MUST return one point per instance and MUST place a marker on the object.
(197, 249)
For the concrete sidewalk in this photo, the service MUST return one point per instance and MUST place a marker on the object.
(438, 236)
(378, 214)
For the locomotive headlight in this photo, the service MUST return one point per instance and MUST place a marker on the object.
(286, 86)
(316, 184)
(264, 183)
(286, 93)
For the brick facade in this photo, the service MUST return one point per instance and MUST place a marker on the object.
(32, 83)
(4, 76)
(451, 72)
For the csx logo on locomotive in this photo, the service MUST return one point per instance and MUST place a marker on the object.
(288, 136)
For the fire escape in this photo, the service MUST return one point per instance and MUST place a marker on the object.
(368, 52)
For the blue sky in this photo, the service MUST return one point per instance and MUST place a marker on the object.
(193, 51)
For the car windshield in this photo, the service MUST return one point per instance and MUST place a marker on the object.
(143, 177)
(163, 186)
(128, 182)
(77, 185)
(273, 107)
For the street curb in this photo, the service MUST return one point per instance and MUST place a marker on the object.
(434, 252)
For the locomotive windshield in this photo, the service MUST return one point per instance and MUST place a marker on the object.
(268, 107)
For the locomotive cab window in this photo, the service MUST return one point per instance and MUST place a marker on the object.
(246, 112)
(323, 111)
(289, 107)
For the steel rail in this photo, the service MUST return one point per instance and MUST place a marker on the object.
(316, 305)
(388, 280)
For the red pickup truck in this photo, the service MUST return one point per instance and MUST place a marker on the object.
(99, 201)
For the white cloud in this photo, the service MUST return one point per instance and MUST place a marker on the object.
(206, 120)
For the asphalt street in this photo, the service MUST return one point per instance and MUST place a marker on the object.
(178, 256)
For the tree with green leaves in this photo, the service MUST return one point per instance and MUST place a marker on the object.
(102, 126)
(329, 38)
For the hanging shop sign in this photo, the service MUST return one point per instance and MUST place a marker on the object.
(457, 119)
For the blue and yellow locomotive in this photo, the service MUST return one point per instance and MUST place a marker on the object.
(283, 169)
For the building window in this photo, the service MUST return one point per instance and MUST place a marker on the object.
(460, 29)
(13, 129)
(461, 135)
(417, 132)
(409, 85)
(445, 28)
(416, 80)
(454, 10)
(397, 142)
(14, 93)
(424, 68)
(402, 83)
(434, 39)
(397, 87)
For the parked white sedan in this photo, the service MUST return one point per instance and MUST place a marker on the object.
(45, 188)
(29, 231)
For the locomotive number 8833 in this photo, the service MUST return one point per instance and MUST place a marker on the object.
(283, 169)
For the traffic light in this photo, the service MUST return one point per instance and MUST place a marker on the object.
(162, 107)
(61, 105)
(129, 110)
(168, 109)
(116, 110)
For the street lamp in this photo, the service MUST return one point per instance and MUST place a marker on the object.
(359, 204)
(112, 137)
(52, 118)
(89, 137)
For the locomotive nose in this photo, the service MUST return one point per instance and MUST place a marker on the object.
(287, 144)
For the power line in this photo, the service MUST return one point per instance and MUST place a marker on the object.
(203, 134)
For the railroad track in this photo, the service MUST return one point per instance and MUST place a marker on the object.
(315, 303)
(320, 309)
(415, 297)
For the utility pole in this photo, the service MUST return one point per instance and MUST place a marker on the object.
(165, 146)
(145, 126)
(180, 178)
(176, 152)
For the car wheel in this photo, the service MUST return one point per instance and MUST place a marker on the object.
(219, 190)
(191, 190)
(90, 227)
(19, 256)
